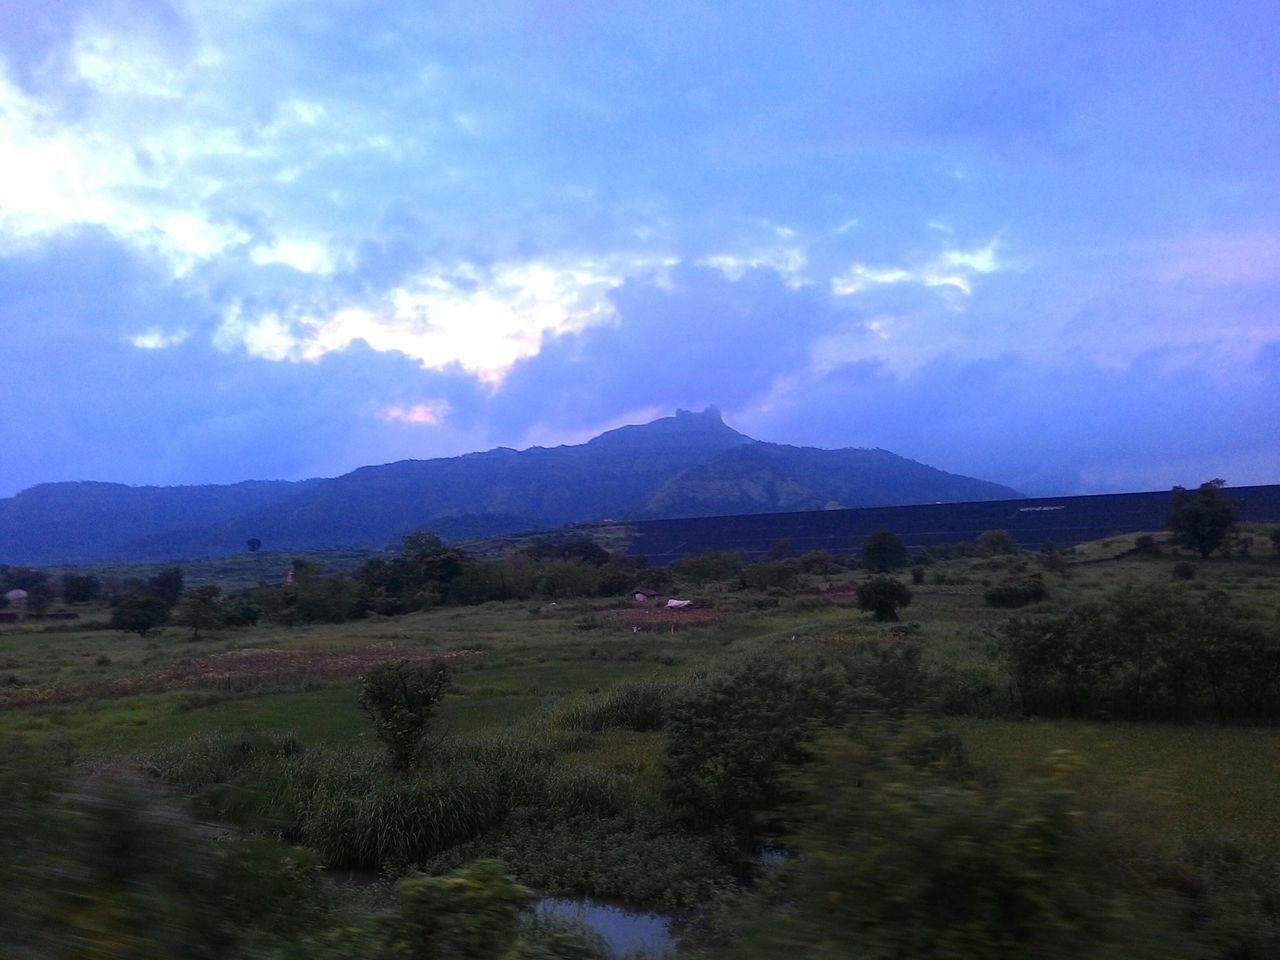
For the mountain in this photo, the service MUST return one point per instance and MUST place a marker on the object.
(773, 478)
(78, 522)
(691, 464)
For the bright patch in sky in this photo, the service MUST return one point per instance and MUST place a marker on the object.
(262, 233)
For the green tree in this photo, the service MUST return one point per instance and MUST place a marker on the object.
(80, 587)
(39, 597)
(400, 699)
(818, 561)
(731, 740)
(167, 586)
(1202, 520)
(139, 612)
(992, 542)
(200, 609)
(883, 597)
(884, 551)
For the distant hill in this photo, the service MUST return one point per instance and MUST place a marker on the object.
(691, 464)
(76, 522)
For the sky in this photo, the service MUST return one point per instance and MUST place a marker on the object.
(1032, 242)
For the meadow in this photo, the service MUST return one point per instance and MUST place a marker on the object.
(600, 747)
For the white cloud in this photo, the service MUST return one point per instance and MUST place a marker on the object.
(303, 255)
(482, 320)
(120, 61)
(787, 261)
(951, 268)
(418, 414)
(156, 339)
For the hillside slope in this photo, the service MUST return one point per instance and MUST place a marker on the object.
(691, 464)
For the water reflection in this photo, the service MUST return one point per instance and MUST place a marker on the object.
(622, 929)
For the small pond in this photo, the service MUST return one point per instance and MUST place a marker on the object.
(621, 928)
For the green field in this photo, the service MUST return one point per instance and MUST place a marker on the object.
(553, 694)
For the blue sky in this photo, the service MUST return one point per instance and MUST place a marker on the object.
(1037, 243)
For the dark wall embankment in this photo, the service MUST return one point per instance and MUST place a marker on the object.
(1063, 520)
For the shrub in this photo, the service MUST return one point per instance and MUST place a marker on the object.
(1016, 593)
(473, 914)
(731, 738)
(993, 542)
(1202, 520)
(901, 855)
(1146, 546)
(1239, 897)
(883, 596)
(400, 699)
(638, 706)
(1182, 570)
(884, 551)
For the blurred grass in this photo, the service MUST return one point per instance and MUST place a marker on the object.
(1214, 778)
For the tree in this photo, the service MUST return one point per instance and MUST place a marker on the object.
(200, 608)
(400, 699)
(884, 551)
(1203, 520)
(992, 542)
(39, 597)
(139, 612)
(732, 739)
(883, 596)
(166, 586)
(80, 587)
(818, 561)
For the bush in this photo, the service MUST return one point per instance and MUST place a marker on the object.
(400, 700)
(731, 737)
(1182, 570)
(1017, 593)
(638, 706)
(1238, 897)
(883, 596)
(1146, 546)
(1147, 654)
(997, 542)
(883, 552)
(902, 855)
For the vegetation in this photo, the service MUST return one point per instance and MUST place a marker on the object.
(883, 552)
(883, 597)
(792, 776)
(400, 699)
(1202, 520)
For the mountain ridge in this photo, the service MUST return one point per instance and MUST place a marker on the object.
(690, 464)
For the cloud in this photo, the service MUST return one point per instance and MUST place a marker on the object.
(951, 268)
(422, 414)
(308, 239)
(481, 319)
(1062, 428)
(1224, 259)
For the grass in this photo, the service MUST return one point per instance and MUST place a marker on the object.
(1211, 778)
(534, 659)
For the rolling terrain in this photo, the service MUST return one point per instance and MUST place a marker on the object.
(688, 465)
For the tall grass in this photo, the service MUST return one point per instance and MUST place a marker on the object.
(642, 706)
(358, 813)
